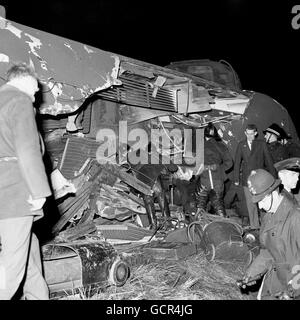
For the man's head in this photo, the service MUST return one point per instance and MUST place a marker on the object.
(272, 133)
(24, 78)
(251, 132)
(288, 172)
(262, 184)
(289, 178)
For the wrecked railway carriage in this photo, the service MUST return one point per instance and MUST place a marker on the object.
(96, 107)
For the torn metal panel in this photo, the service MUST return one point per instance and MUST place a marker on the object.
(191, 98)
(128, 67)
(135, 115)
(68, 70)
(235, 105)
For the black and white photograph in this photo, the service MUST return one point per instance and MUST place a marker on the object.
(149, 150)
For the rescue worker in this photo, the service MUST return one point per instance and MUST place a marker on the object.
(152, 175)
(23, 187)
(292, 148)
(278, 261)
(210, 184)
(277, 151)
(288, 173)
(251, 153)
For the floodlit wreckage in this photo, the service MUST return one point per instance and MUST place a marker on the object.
(102, 214)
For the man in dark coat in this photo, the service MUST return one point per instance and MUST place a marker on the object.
(251, 154)
(276, 149)
(288, 173)
(292, 148)
(217, 161)
(23, 186)
(279, 259)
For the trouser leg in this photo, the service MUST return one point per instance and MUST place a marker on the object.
(230, 196)
(163, 204)
(201, 196)
(15, 238)
(218, 203)
(35, 287)
(217, 199)
(160, 197)
(150, 209)
(252, 209)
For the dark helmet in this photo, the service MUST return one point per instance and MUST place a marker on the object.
(261, 183)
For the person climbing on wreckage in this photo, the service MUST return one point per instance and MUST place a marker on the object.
(210, 184)
(278, 262)
(152, 174)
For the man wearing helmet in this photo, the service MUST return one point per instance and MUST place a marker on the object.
(279, 259)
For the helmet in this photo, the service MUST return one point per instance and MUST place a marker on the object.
(261, 183)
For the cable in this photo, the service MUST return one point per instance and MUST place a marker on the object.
(54, 83)
(179, 150)
(192, 238)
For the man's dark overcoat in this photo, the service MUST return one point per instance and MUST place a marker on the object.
(22, 171)
(247, 160)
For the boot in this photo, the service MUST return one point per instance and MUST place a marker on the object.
(218, 204)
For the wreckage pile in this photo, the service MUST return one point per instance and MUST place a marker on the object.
(193, 278)
(91, 195)
(104, 202)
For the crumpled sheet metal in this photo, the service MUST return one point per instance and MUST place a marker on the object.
(69, 71)
(96, 259)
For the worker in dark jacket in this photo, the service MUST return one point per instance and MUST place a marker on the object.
(279, 259)
(276, 149)
(217, 160)
(23, 187)
(292, 148)
(288, 173)
(251, 154)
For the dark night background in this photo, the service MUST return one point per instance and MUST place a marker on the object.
(256, 37)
